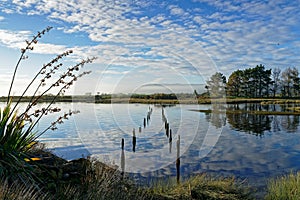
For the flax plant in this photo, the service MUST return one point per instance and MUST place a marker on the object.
(18, 130)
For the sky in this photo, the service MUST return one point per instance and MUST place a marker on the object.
(143, 46)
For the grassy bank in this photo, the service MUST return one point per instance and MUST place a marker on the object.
(202, 187)
(91, 179)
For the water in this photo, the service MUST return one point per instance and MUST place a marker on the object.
(250, 147)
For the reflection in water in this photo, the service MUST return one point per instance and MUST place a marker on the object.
(122, 158)
(250, 123)
(243, 117)
(178, 159)
(170, 147)
(235, 153)
(290, 123)
(217, 116)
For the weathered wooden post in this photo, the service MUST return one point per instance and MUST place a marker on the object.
(167, 129)
(144, 122)
(122, 144)
(133, 140)
(148, 118)
(140, 129)
(170, 137)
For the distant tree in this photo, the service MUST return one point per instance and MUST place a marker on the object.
(290, 82)
(296, 80)
(234, 83)
(260, 80)
(251, 82)
(275, 80)
(216, 85)
(267, 82)
(247, 83)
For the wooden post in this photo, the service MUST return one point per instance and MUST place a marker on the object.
(144, 122)
(133, 143)
(133, 140)
(122, 144)
(140, 129)
(167, 129)
(122, 163)
(170, 137)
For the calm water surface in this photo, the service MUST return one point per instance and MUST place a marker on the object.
(250, 147)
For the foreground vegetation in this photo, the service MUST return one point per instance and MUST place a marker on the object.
(79, 179)
(90, 179)
(285, 187)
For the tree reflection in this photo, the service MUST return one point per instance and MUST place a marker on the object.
(250, 123)
(243, 117)
(290, 123)
(217, 116)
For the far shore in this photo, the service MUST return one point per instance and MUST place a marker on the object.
(117, 99)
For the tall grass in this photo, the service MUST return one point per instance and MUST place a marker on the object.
(16, 191)
(202, 187)
(285, 187)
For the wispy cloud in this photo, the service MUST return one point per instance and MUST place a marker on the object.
(13, 39)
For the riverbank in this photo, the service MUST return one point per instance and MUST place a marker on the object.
(86, 178)
(179, 100)
(90, 179)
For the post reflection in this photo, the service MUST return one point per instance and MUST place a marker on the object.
(122, 158)
(178, 160)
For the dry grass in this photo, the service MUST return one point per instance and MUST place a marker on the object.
(285, 187)
(202, 187)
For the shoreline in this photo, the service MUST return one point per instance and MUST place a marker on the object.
(118, 100)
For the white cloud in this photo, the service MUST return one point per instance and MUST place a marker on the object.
(13, 39)
(176, 10)
(234, 35)
(16, 40)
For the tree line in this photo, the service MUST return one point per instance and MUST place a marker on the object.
(256, 82)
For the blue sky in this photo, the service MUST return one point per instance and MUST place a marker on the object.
(144, 43)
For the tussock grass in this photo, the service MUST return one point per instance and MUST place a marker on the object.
(202, 187)
(285, 187)
(17, 191)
